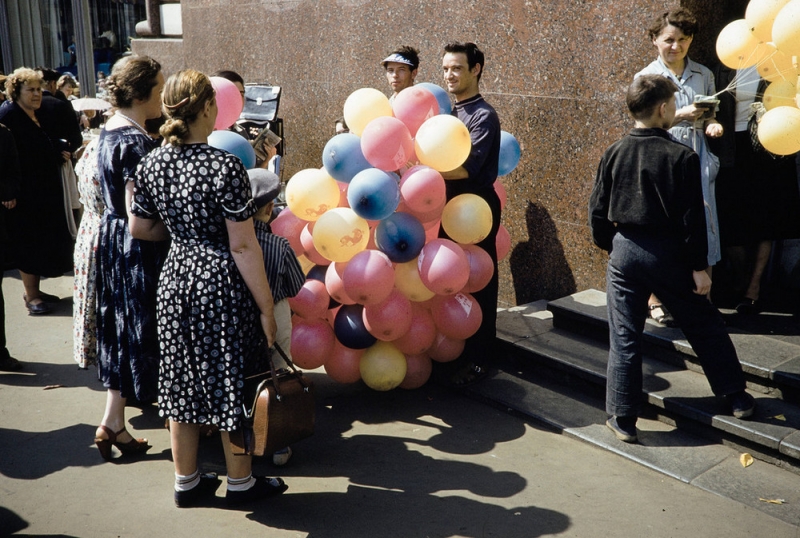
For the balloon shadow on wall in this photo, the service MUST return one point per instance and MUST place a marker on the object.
(538, 266)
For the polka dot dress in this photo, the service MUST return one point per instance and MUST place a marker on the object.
(208, 323)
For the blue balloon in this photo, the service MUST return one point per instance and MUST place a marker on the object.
(317, 273)
(400, 236)
(349, 328)
(442, 97)
(509, 153)
(374, 194)
(343, 158)
(235, 144)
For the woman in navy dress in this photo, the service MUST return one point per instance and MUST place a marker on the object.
(127, 269)
(215, 310)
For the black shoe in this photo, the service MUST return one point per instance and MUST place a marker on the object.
(748, 307)
(10, 364)
(742, 404)
(263, 488)
(46, 297)
(199, 495)
(624, 428)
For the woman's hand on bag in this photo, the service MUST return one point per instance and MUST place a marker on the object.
(270, 328)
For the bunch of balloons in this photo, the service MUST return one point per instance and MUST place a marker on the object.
(384, 295)
(769, 38)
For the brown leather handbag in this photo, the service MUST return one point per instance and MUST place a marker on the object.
(282, 410)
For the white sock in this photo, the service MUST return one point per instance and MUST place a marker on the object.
(185, 483)
(241, 484)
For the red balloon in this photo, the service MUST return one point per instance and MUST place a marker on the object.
(368, 277)
(310, 251)
(229, 102)
(423, 189)
(446, 349)
(312, 301)
(413, 106)
(481, 268)
(312, 342)
(443, 266)
(418, 371)
(343, 364)
(334, 284)
(387, 144)
(420, 335)
(501, 193)
(503, 242)
(457, 316)
(290, 226)
(389, 319)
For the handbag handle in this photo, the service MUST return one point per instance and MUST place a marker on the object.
(294, 369)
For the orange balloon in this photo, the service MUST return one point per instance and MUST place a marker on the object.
(779, 130)
(467, 219)
(786, 29)
(737, 45)
(760, 16)
(364, 105)
(776, 65)
(310, 193)
(780, 93)
(443, 143)
(382, 366)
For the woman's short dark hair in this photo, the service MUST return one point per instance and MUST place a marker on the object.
(679, 18)
(233, 76)
(132, 77)
(648, 92)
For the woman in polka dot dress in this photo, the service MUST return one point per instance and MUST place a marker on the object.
(215, 312)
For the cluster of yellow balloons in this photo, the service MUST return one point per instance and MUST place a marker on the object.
(769, 38)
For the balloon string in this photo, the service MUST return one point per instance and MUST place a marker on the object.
(735, 80)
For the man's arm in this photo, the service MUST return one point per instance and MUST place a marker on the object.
(603, 230)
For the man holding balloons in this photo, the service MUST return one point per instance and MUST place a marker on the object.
(463, 65)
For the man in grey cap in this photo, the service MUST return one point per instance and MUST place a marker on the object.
(401, 69)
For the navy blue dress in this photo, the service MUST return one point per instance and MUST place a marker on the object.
(127, 272)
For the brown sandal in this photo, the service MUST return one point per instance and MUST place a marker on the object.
(134, 446)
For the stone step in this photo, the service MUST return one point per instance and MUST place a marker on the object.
(533, 347)
(768, 344)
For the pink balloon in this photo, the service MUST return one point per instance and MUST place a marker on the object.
(331, 315)
(503, 242)
(423, 189)
(312, 342)
(343, 365)
(418, 371)
(343, 194)
(413, 106)
(229, 102)
(481, 268)
(309, 250)
(501, 193)
(368, 277)
(443, 266)
(457, 316)
(311, 302)
(446, 349)
(335, 285)
(387, 144)
(290, 226)
(426, 217)
(420, 335)
(389, 319)
(432, 230)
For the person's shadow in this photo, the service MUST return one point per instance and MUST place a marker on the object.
(538, 266)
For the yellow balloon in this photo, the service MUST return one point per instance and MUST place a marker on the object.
(780, 93)
(305, 264)
(737, 46)
(443, 143)
(779, 130)
(364, 105)
(340, 234)
(760, 15)
(408, 281)
(467, 219)
(310, 193)
(786, 29)
(776, 65)
(383, 367)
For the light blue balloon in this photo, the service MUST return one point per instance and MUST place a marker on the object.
(234, 144)
(509, 153)
(374, 194)
(343, 158)
(442, 97)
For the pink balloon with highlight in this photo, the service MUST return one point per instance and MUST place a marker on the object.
(390, 319)
(334, 284)
(312, 301)
(501, 193)
(457, 316)
(418, 371)
(413, 106)
(481, 268)
(443, 266)
(343, 365)
(309, 250)
(423, 189)
(420, 334)
(446, 349)
(290, 226)
(503, 242)
(387, 144)
(229, 102)
(343, 194)
(312, 342)
(368, 277)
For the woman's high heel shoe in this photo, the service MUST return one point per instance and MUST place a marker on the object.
(134, 446)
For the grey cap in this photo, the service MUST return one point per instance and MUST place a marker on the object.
(265, 185)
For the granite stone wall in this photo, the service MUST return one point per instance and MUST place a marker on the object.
(556, 72)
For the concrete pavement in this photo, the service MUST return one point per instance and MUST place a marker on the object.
(429, 462)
